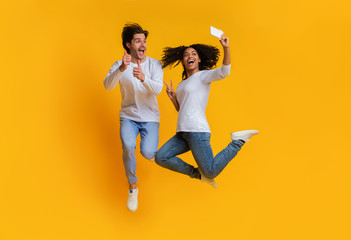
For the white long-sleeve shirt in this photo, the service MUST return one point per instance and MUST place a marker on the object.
(192, 95)
(139, 102)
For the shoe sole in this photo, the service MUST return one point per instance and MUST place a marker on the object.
(253, 132)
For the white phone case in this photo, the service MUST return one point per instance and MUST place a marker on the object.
(216, 32)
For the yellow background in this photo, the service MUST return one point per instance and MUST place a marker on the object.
(61, 171)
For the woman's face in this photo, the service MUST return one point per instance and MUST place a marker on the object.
(191, 59)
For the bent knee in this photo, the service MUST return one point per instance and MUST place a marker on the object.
(148, 154)
(208, 173)
(160, 159)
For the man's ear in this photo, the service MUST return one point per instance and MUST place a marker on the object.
(128, 45)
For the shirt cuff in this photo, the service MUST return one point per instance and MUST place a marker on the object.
(226, 69)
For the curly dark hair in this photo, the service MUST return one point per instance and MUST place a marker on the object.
(209, 56)
(129, 30)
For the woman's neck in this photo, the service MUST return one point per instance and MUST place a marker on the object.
(191, 72)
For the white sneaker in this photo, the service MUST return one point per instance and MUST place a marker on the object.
(152, 159)
(132, 203)
(244, 135)
(210, 181)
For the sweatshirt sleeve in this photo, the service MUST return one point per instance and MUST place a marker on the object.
(112, 77)
(217, 74)
(154, 82)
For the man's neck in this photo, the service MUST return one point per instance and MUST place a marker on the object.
(135, 60)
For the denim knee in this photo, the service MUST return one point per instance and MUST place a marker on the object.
(147, 154)
(128, 147)
(159, 159)
(208, 173)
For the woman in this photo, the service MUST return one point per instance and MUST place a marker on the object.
(193, 132)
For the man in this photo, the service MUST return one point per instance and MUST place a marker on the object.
(141, 80)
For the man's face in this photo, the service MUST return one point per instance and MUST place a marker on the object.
(137, 46)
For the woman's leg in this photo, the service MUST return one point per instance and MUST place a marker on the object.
(166, 157)
(222, 159)
(211, 167)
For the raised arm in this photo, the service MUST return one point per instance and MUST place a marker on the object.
(225, 44)
(224, 71)
(172, 95)
(115, 72)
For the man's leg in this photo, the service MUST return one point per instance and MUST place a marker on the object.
(149, 139)
(129, 132)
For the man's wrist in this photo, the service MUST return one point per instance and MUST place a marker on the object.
(122, 68)
(142, 79)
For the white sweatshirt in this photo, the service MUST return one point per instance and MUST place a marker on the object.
(139, 101)
(192, 95)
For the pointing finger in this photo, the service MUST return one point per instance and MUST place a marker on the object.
(139, 63)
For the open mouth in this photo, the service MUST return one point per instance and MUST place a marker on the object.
(142, 51)
(191, 61)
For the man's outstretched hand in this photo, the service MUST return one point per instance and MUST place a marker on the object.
(125, 61)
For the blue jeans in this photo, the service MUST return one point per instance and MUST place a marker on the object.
(129, 130)
(199, 144)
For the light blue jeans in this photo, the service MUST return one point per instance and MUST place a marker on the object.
(129, 130)
(199, 144)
